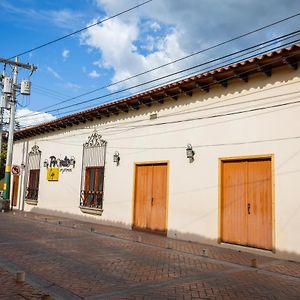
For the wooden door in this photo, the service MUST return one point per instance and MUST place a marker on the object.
(233, 209)
(143, 196)
(246, 204)
(15, 190)
(150, 198)
(157, 216)
(259, 204)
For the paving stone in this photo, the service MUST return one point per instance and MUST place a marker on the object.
(71, 262)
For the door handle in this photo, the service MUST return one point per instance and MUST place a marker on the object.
(249, 206)
(152, 199)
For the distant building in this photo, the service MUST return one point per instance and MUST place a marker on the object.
(213, 158)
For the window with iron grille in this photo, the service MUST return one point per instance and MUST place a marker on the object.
(93, 166)
(34, 161)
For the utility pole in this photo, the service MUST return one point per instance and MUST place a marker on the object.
(10, 88)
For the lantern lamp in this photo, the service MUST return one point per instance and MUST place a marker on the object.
(117, 158)
(190, 153)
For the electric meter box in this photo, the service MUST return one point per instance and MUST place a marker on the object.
(7, 86)
(4, 101)
(25, 87)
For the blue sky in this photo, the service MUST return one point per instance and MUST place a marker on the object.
(152, 35)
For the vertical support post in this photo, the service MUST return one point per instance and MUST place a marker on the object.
(7, 179)
(1, 130)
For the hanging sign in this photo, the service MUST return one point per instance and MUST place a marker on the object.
(15, 170)
(52, 174)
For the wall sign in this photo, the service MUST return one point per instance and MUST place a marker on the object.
(52, 174)
(15, 170)
(58, 165)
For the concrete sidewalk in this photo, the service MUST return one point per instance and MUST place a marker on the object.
(70, 259)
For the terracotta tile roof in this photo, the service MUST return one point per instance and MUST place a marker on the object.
(242, 70)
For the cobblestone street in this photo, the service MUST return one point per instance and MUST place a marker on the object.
(70, 259)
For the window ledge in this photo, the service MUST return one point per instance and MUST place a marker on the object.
(31, 201)
(91, 210)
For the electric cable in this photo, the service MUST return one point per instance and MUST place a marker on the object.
(272, 41)
(82, 29)
(177, 60)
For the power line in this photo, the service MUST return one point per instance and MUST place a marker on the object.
(175, 61)
(82, 29)
(226, 114)
(132, 127)
(201, 109)
(270, 42)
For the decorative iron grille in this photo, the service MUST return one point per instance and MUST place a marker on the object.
(33, 175)
(92, 179)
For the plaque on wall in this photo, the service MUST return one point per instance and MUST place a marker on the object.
(52, 174)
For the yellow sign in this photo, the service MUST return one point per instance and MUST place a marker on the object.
(52, 174)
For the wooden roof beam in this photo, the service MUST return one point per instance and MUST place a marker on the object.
(188, 92)
(75, 122)
(147, 101)
(173, 96)
(158, 98)
(82, 120)
(223, 82)
(140, 103)
(242, 76)
(90, 118)
(203, 87)
(135, 106)
(124, 108)
(96, 114)
(267, 71)
(105, 112)
(113, 110)
(291, 62)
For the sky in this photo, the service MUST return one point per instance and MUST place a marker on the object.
(147, 37)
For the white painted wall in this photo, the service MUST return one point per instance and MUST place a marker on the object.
(193, 187)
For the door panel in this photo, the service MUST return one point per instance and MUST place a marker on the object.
(157, 216)
(246, 203)
(15, 190)
(150, 197)
(143, 195)
(260, 200)
(234, 189)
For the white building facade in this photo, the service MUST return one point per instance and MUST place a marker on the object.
(127, 163)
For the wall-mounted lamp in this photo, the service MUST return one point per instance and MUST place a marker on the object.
(46, 163)
(190, 153)
(22, 166)
(117, 158)
(72, 161)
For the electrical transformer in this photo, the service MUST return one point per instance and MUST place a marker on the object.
(7, 86)
(25, 87)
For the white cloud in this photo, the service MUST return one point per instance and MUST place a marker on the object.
(155, 26)
(65, 54)
(54, 73)
(94, 74)
(33, 118)
(116, 41)
(162, 31)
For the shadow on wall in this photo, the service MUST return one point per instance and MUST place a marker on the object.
(172, 234)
